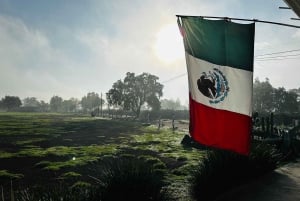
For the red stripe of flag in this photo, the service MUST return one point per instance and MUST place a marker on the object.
(227, 128)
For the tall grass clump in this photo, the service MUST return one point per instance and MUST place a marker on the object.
(263, 158)
(221, 171)
(130, 178)
(114, 179)
(55, 192)
(216, 173)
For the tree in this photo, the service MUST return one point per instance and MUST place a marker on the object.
(31, 102)
(263, 96)
(267, 99)
(56, 104)
(279, 100)
(91, 101)
(70, 105)
(44, 107)
(291, 103)
(10, 102)
(171, 104)
(135, 91)
(116, 95)
(297, 91)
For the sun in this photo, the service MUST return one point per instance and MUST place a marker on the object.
(169, 45)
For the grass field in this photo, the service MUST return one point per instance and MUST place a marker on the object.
(38, 148)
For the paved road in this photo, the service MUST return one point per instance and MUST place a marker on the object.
(281, 185)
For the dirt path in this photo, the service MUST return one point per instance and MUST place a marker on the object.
(281, 185)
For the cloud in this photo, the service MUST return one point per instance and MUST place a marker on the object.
(131, 48)
(110, 39)
(30, 66)
(296, 35)
(263, 45)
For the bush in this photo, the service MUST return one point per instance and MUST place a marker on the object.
(55, 192)
(129, 178)
(126, 177)
(216, 173)
(220, 170)
(263, 158)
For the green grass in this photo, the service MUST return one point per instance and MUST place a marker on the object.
(167, 145)
(9, 175)
(70, 151)
(56, 146)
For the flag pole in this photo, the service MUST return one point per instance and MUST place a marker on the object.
(242, 19)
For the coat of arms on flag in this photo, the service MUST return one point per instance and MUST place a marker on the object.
(219, 57)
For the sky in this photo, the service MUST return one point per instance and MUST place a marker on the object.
(71, 47)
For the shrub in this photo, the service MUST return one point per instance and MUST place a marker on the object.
(55, 192)
(127, 178)
(216, 173)
(220, 170)
(117, 178)
(263, 158)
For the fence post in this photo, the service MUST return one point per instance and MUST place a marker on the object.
(296, 122)
(272, 123)
(148, 117)
(159, 123)
(268, 126)
(173, 122)
(2, 193)
(263, 124)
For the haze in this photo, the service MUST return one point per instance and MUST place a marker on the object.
(70, 48)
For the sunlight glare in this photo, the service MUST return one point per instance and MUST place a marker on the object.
(169, 45)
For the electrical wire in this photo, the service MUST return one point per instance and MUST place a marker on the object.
(276, 59)
(272, 58)
(279, 57)
(174, 78)
(278, 52)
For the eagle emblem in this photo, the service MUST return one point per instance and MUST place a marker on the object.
(213, 85)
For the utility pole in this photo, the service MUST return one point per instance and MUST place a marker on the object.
(101, 105)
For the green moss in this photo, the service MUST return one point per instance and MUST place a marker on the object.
(43, 164)
(80, 161)
(75, 142)
(167, 144)
(6, 154)
(71, 174)
(8, 175)
(81, 184)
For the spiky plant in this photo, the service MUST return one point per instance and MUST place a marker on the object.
(216, 173)
(130, 178)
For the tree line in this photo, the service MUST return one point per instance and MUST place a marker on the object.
(267, 99)
(56, 104)
(135, 93)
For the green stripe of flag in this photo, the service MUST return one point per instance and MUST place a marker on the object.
(220, 42)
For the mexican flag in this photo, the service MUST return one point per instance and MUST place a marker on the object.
(219, 57)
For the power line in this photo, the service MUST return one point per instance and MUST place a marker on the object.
(278, 52)
(284, 57)
(275, 59)
(279, 56)
(174, 78)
